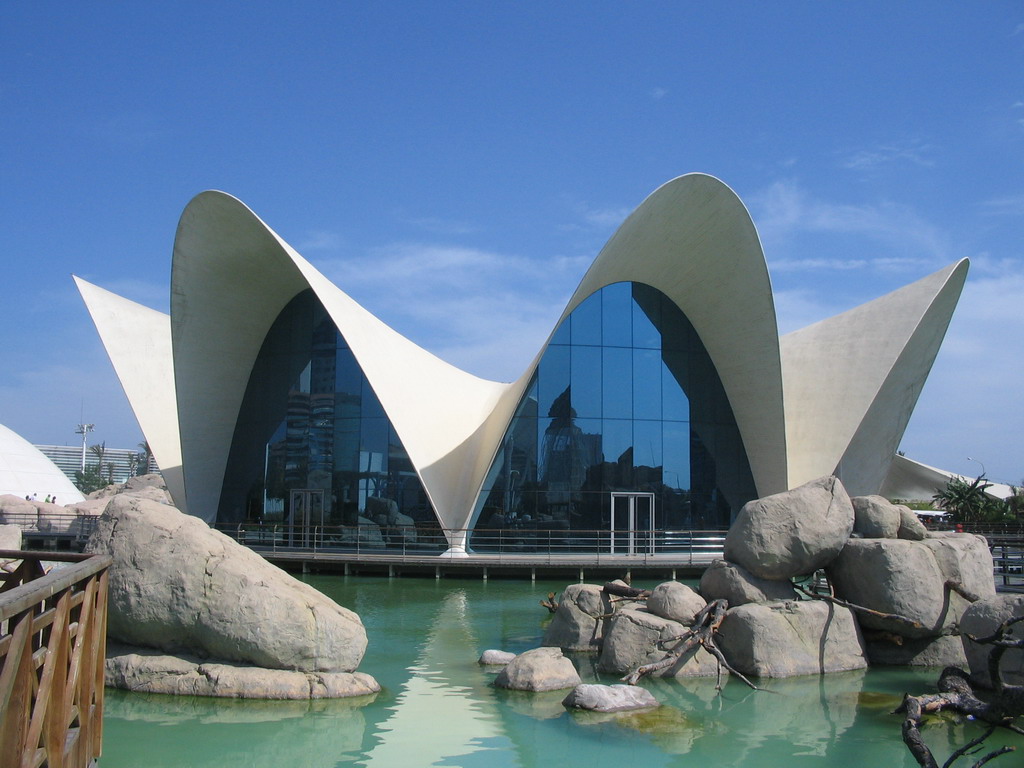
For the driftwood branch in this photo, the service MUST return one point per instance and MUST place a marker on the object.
(621, 590)
(551, 603)
(960, 589)
(701, 633)
(894, 617)
(956, 695)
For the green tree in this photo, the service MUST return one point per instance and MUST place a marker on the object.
(89, 480)
(967, 502)
(145, 457)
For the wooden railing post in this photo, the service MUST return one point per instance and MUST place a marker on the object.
(52, 653)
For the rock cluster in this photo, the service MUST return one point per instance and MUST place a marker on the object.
(877, 555)
(178, 587)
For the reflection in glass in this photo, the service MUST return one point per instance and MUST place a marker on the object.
(643, 412)
(311, 427)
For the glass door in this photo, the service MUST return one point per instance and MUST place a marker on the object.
(307, 505)
(632, 524)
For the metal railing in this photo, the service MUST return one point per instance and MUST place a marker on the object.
(52, 647)
(501, 545)
(1007, 561)
(52, 528)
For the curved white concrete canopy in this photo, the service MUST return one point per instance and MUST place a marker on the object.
(231, 277)
(138, 343)
(911, 480)
(852, 381)
(692, 239)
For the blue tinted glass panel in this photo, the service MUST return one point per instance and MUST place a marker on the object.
(647, 384)
(617, 439)
(675, 406)
(617, 383)
(373, 438)
(586, 321)
(647, 446)
(617, 315)
(676, 455)
(646, 319)
(552, 378)
(561, 335)
(347, 376)
(586, 381)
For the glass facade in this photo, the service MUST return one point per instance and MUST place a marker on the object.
(625, 399)
(311, 436)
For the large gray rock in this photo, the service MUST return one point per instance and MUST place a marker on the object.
(907, 578)
(137, 669)
(178, 586)
(15, 510)
(609, 698)
(964, 558)
(147, 486)
(792, 533)
(578, 624)
(539, 669)
(675, 601)
(982, 619)
(875, 518)
(10, 536)
(730, 582)
(635, 638)
(495, 658)
(789, 638)
(944, 651)
(911, 526)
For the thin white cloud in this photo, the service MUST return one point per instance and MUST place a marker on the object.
(658, 93)
(483, 311)
(784, 210)
(1003, 206)
(915, 151)
(320, 240)
(603, 219)
(963, 408)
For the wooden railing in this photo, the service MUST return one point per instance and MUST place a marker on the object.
(52, 645)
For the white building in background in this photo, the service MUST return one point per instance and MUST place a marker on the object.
(24, 471)
(118, 463)
(664, 397)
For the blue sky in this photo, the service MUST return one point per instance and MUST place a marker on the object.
(446, 162)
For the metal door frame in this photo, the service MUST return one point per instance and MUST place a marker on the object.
(631, 531)
(301, 500)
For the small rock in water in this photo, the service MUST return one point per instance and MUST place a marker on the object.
(493, 658)
(609, 698)
(539, 669)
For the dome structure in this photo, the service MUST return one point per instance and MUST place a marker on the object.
(24, 471)
(269, 394)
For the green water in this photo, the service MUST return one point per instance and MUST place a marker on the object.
(438, 707)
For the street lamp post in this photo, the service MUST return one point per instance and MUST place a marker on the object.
(976, 461)
(84, 430)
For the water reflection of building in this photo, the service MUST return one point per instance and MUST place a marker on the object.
(664, 376)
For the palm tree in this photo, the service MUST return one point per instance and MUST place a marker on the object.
(967, 501)
(145, 456)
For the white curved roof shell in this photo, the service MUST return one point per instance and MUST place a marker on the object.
(837, 394)
(24, 470)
